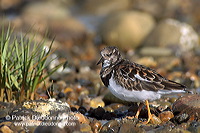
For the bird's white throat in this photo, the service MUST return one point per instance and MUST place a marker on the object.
(106, 63)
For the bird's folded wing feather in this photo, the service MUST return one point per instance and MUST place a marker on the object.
(138, 77)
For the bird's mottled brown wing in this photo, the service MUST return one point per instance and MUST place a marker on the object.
(137, 77)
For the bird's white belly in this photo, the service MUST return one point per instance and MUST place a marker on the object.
(131, 95)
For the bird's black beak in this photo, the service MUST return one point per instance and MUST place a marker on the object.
(100, 61)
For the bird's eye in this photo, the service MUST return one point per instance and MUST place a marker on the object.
(109, 54)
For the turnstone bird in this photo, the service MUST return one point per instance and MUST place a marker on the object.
(132, 82)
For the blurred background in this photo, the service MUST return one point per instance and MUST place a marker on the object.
(161, 34)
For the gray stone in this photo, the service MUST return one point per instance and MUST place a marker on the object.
(173, 34)
(155, 51)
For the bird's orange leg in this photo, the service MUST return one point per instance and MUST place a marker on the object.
(138, 111)
(149, 112)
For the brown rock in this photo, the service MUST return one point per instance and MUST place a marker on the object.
(189, 104)
(5, 129)
(116, 105)
(72, 97)
(109, 109)
(130, 128)
(111, 126)
(67, 30)
(8, 123)
(96, 102)
(155, 120)
(81, 118)
(165, 116)
(95, 125)
(49, 129)
(85, 128)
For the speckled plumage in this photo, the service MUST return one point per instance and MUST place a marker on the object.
(133, 82)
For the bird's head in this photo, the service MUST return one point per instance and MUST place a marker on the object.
(110, 56)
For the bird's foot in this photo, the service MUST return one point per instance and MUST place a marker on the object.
(149, 120)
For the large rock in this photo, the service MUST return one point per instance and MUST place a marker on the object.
(38, 14)
(42, 116)
(68, 30)
(126, 29)
(179, 37)
(45, 9)
(189, 104)
(56, 19)
(187, 11)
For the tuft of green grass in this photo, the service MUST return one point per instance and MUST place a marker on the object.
(22, 65)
